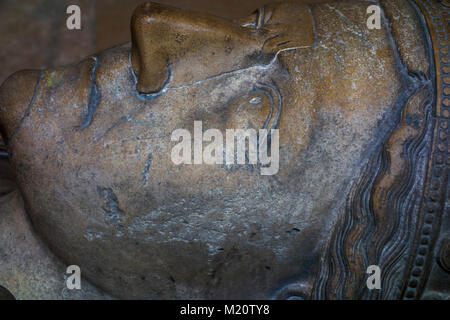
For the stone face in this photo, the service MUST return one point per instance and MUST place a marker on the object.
(28, 269)
(35, 36)
(91, 147)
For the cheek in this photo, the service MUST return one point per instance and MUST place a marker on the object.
(297, 120)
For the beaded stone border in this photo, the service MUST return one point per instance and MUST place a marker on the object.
(437, 16)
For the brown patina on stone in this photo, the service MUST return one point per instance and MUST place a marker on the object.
(91, 147)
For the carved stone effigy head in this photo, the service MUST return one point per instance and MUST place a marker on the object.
(357, 140)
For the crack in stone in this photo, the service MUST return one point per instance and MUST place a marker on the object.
(94, 97)
(113, 213)
(146, 170)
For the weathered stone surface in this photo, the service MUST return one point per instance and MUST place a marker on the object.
(35, 36)
(91, 147)
(28, 269)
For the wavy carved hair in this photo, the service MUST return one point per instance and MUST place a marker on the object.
(374, 232)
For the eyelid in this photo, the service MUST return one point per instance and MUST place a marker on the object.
(263, 16)
(260, 19)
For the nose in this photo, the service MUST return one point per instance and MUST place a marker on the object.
(178, 46)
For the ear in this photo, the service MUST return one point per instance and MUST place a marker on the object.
(16, 96)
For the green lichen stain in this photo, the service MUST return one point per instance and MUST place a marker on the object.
(48, 78)
(52, 78)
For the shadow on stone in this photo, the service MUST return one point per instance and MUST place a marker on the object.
(5, 294)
